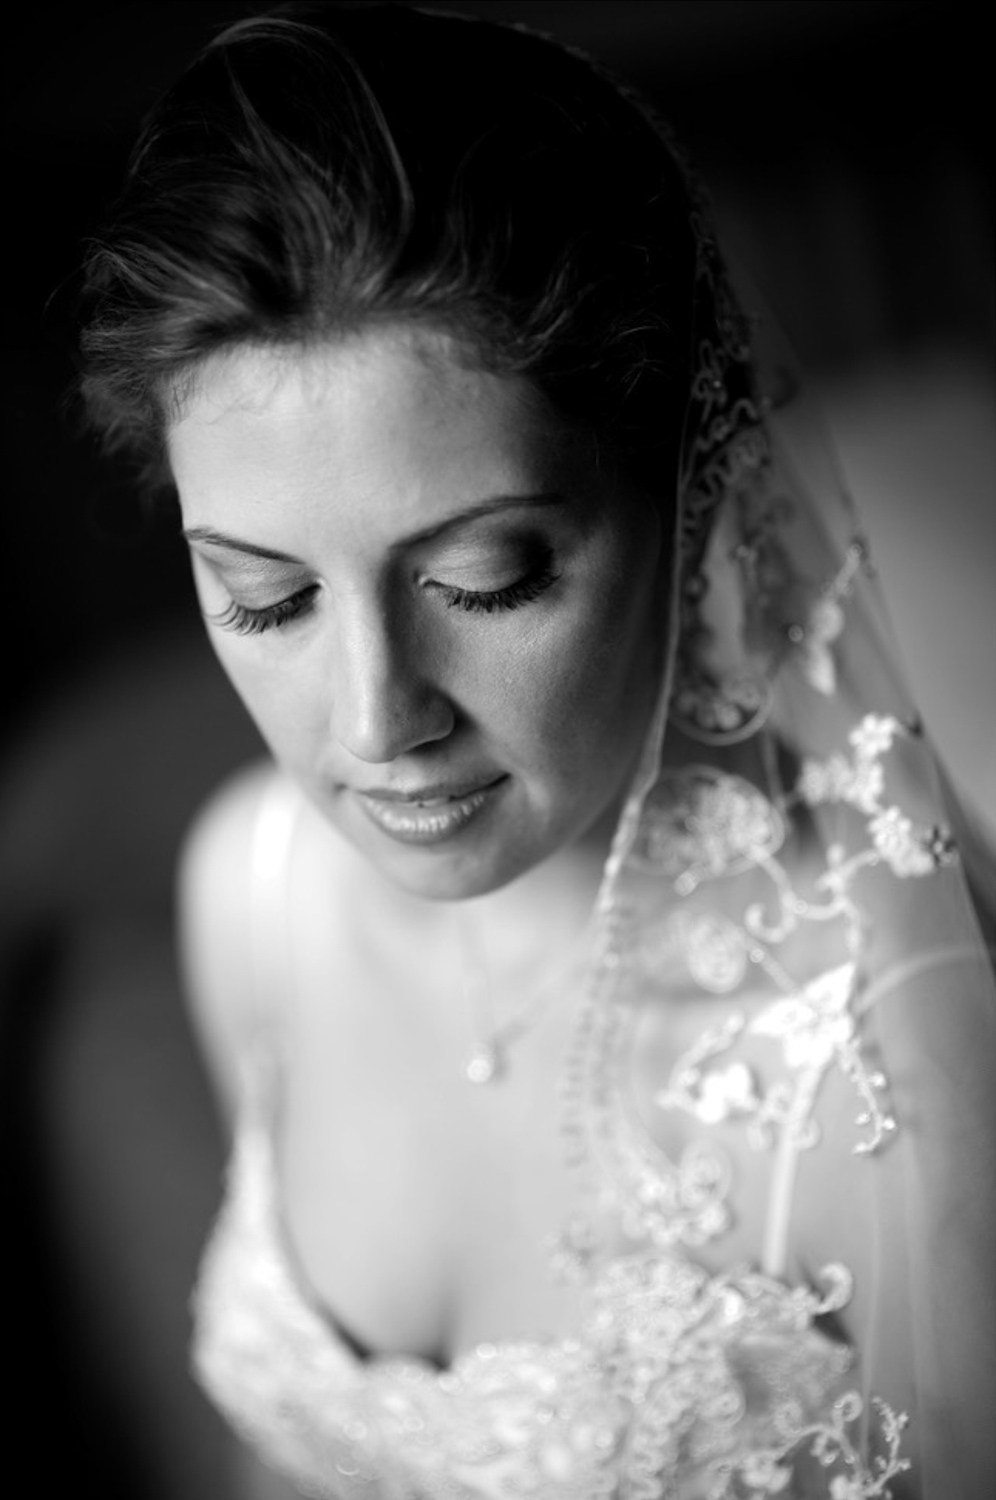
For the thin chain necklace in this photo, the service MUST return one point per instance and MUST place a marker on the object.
(487, 1058)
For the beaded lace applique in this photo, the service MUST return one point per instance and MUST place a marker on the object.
(701, 825)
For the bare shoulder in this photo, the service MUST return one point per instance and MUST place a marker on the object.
(215, 921)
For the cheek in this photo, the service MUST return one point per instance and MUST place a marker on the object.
(580, 695)
(287, 709)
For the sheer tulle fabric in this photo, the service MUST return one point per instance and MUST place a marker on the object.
(793, 861)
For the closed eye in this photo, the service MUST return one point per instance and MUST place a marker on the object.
(512, 596)
(245, 621)
(242, 620)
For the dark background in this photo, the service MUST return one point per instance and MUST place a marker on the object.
(847, 147)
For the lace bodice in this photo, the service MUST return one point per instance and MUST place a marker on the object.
(677, 1383)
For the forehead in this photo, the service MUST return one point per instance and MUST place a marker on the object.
(392, 411)
(389, 376)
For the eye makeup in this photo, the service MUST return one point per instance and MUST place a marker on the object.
(480, 562)
(245, 621)
(230, 584)
(486, 601)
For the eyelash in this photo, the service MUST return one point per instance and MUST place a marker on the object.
(244, 621)
(524, 591)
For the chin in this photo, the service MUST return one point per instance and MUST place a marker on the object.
(432, 854)
(452, 875)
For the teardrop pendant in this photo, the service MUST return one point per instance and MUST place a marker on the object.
(484, 1063)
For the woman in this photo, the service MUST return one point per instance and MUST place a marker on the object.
(593, 982)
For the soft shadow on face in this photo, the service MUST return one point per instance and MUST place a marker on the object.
(444, 613)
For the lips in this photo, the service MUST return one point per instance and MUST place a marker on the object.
(429, 814)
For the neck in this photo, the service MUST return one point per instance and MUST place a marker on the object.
(531, 923)
(526, 930)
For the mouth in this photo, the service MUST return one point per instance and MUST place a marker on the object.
(430, 814)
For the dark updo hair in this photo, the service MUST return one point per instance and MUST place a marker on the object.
(323, 168)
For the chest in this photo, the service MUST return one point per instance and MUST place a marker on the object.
(421, 1207)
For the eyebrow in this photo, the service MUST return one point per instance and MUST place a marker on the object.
(427, 534)
(235, 544)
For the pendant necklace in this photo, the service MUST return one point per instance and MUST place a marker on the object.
(487, 1059)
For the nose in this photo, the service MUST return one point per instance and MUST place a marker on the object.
(384, 702)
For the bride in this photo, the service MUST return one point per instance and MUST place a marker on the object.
(592, 978)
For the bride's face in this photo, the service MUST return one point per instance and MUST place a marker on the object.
(444, 615)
